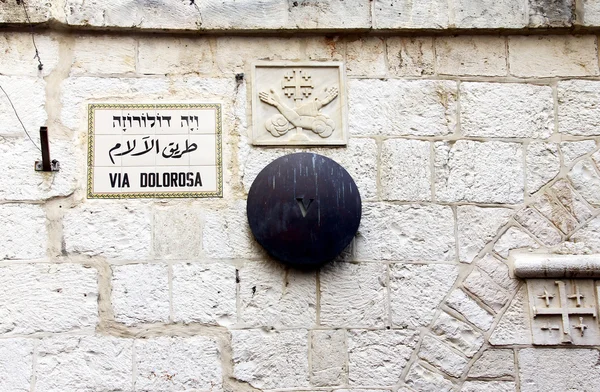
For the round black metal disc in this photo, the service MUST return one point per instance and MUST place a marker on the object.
(304, 209)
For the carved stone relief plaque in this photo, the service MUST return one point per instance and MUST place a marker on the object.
(298, 103)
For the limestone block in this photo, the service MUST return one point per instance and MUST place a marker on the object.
(47, 298)
(482, 286)
(242, 15)
(494, 363)
(457, 334)
(328, 357)
(103, 55)
(410, 56)
(543, 164)
(480, 172)
(325, 48)
(514, 325)
(571, 200)
(417, 290)
(204, 293)
(268, 360)
(16, 364)
(338, 14)
(405, 170)
(506, 110)
(174, 363)
(353, 295)
(113, 229)
(498, 271)
(555, 213)
(559, 370)
(422, 379)
(272, 296)
(365, 56)
(578, 107)
(552, 55)
(84, 363)
(442, 357)
(489, 386)
(588, 237)
(140, 293)
(410, 14)
(177, 231)
(18, 53)
(406, 233)
(378, 357)
(514, 238)
(466, 306)
(236, 55)
(166, 56)
(471, 55)
(490, 14)
(586, 180)
(28, 95)
(557, 13)
(13, 12)
(23, 231)
(573, 150)
(477, 226)
(591, 13)
(539, 226)
(401, 107)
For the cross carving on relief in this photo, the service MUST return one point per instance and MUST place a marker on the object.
(297, 84)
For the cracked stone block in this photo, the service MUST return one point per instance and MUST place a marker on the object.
(405, 170)
(586, 180)
(422, 379)
(514, 325)
(471, 55)
(543, 164)
(466, 306)
(458, 334)
(23, 232)
(410, 56)
(514, 238)
(537, 225)
(578, 107)
(494, 364)
(477, 226)
(442, 357)
(482, 286)
(16, 364)
(328, 355)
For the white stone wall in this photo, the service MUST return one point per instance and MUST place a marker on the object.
(464, 149)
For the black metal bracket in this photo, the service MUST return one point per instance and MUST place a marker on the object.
(46, 165)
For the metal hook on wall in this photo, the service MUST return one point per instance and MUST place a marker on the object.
(46, 164)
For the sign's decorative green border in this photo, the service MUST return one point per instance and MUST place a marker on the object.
(145, 195)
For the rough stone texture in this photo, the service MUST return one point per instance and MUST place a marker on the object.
(490, 14)
(353, 295)
(47, 298)
(28, 95)
(378, 357)
(573, 150)
(586, 180)
(204, 293)
(23, 231)
(16, 364)
(514, 238)
(410, 56)
(313, 14)
(506, 110)
(539, 226)
(591, 14)
(112, 229)
(466, 306)
(180, 364)
(547, 56)
(514, 325)
(140, 293)
(482, 286)
(476, 227)
(236, 56)
(389, 14)
(328, 357)
(417, 290)
(554, 13)
(442, 357)
(480, 172)
(13, 12)
(405, 170)
(543, 164)
(365, 56)
(173, 56)
(471, 55)
(18, 53)
(275, 359)
(118, 55)
(494, 364)
(458, 334)
(177, 231)
(498, 271)
(587, 239)
(325, 48)
(555, 213)
(271, 296)
(84, 363)
(406, 233)
(489, 386)
(571, 200)
(579, 107)
(559, 370)
(422, 379)
(401, 107)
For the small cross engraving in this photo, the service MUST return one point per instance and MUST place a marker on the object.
(581, 326)
(546, 297)
(577, 296)
(296, 84)
(550, 328)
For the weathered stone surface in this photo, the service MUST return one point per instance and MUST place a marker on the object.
(16, 364)
(573, 150)
(458, 334)
(477, 226)
(275, 359)
(494, 364)
(365, 56)
(417, 290)
(325, 48)
(559, 370)
(390, 14)
(552, 55)
(13, 12)
(480, 172)
(353, 295)
(498, 271)
(328, 357)
(571, 200)
(586, 181)
(270, 296)
(422, 379)
(204, 293)
(173, 363)
(587, 239)
(405, 170)
(466, 306)
(539, 226)
(378, 357)
(18, 53)
(579, 107)
(490, 14)
(140, 293)
(489, 386)
(506, 110)
(442, 357)
(177, 231)
(481, 285)
(471, 55)
(23, 232)
(113, 229)
(410, 56)
(513, 327)
(543, 164)
(47, 298)
(401, 107)
(514, 238)
(554, 13)
(84, 363)
(118, 55)
(235, 55)
(555, 213)
(406, 233)
(160, 56)
(314, 14)
(28, 95)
